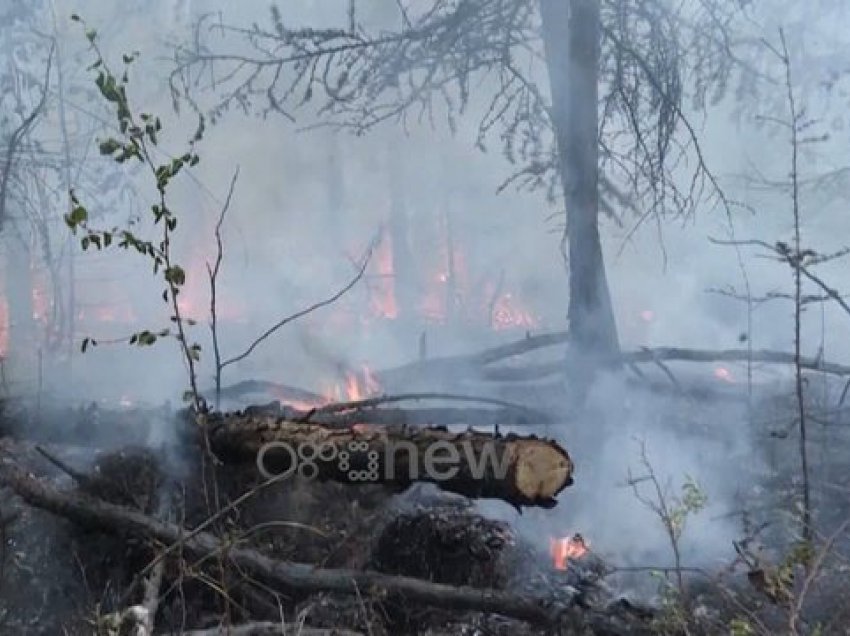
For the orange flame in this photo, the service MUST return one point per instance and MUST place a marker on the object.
(564, 549)
(356, 386)
(383, 291)
(508, 313)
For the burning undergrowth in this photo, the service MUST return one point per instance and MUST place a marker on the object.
(589, 560)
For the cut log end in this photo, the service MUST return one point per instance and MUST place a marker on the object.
(542, 471)
(522, 470)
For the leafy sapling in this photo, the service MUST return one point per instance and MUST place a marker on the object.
(138, 135)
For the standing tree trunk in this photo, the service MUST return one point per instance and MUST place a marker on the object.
(571, 38)
(399, 227)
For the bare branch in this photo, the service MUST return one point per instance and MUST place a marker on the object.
(213, 276)
(300, 314)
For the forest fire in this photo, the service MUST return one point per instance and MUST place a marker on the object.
(566, 549)
(509, 314)
(357, 385)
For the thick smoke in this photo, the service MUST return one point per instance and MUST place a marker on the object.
(309, 203)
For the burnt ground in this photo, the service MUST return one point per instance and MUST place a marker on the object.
(59, 578)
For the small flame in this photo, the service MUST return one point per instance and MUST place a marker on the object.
(724, 375)
(356, 386)
(383, 284)
(508, 313)
(564, 549)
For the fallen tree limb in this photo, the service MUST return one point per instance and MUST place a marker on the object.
(521, 470)
(655, 356)
(674, 354)
(292, 578)
(267, 628)
(457, 365)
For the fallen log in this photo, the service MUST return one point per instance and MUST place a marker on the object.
(521, 470)
(674, 354)
(474, 369)
(290, 578)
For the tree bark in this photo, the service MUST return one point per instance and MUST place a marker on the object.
(521, 470)
(571, 38)
(293, 578)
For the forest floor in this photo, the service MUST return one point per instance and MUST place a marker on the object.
(59, 576)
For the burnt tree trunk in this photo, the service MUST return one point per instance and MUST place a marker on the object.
(521, 470)
(571, 38)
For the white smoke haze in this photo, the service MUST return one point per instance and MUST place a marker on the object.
(309, 202)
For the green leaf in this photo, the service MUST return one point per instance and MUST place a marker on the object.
(175, 275)
(108, 146)
(78, 215)
(145, 338)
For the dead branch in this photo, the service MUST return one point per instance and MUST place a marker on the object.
(300, 314)
(733, 355)
(213, 276)
(267, 628)
(469, 364)
(295, 578)
(18, 134)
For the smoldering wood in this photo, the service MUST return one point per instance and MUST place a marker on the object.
(288, 577)
(521, 470)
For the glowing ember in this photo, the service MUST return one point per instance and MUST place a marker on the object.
(508, 313)
(724, 375)
(564, 549)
